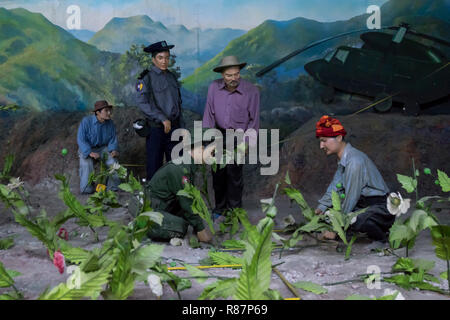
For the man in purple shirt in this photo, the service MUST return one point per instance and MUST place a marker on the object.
(232, 103)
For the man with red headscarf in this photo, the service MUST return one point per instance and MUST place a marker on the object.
(357, 180)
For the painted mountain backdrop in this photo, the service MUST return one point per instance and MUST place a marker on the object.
(192, 47)
(45, 67)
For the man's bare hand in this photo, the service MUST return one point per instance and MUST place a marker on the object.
(167, 126)
(114, 154)
(318, 211)
(204, 235)
(94, 155)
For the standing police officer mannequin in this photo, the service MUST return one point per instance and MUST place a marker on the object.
(159, 98)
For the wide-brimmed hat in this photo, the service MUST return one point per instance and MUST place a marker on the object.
(101, 104)
(158, 47)
(229, 61)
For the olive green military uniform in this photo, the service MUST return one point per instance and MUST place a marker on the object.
(162, 191)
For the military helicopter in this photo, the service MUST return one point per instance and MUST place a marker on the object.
(387, 67)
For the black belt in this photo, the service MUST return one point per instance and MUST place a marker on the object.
(364, 202)
(158, 124)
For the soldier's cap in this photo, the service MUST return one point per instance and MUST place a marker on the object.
(101, 104)
(158, 47)
(229, 61)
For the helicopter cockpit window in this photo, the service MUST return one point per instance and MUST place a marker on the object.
(342, 55)
(434, 57)
(329, 56)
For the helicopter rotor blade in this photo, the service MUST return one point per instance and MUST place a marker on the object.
(313, 44)
(423, 35)
(426, 36)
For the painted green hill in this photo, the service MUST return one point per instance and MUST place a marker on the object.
(192, 47)
(274, 39)
(45, 67)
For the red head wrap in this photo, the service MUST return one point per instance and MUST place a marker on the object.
(329, 127)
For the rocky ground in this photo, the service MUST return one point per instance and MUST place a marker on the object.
(391, 141)
(320, 264)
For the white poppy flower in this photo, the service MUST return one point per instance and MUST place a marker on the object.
(390, 292)
(144, 180)
(155, 285)
(289, 220)
(176, 242)
(397, 205)
(114, 167)
(14, 183)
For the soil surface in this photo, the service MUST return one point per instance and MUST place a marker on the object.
(391, 141)
(319, 263)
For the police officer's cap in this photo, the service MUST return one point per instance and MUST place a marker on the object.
(158, 47)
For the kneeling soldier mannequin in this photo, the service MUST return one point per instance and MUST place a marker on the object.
(178, 215)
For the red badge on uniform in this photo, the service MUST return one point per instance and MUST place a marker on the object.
(184, 180)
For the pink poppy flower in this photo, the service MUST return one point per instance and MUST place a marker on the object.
(63, 234)
(184, 180)
(59, 261)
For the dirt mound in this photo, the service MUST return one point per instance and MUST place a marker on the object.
(36, 141)
(390, 140)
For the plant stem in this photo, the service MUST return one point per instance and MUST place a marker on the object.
(448, 275)
(415, 178)
(342, 282)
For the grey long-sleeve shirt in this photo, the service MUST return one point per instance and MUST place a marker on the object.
(358, 176)
(166, 92)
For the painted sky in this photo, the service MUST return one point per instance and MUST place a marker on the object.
(243, 14)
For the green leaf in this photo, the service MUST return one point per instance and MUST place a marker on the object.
(80, 285)
(219, 289)
(194, 243)
(196, 272)
(337, 223)
(6, 279)
(235, 244)
(256, 272)
(126, 187)
(444, 181)
(273, 295)
(310, 286)
(313, 225)
(222, 258)
(408, 183)
(73, 254)
(420, 220)
(91, 264)
(198, 205)
(146, 257)
(6, 243)
(399, 233)
(349, 247)
(401, 280)
(444, 275)
(184, 284)
(425, 265)
(404, 265)
(295, 195)
(441, 240)
(156, 217)
(358, 297)
(287, 179)
(336, 200)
